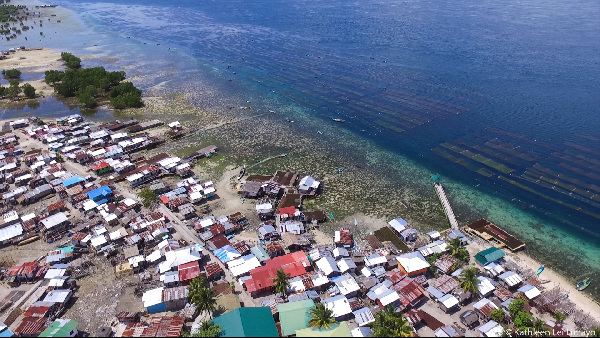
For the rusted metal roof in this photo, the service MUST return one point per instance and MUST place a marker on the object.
(212, 269)
(31, 326)
(172, 294)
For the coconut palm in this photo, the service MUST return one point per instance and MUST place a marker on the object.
(282, 282)
(468, 280)
(321, 317)
(201, 296)
(539, 328)
(388, 323)
(559, 317)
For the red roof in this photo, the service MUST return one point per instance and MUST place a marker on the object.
(37, 311)
(164, 199)
(212, 269)
(220, 241)
(287, 210)
(100, 165)
(293, 264)
(29, 267)
(410, 291)
(189, 271)
(31, 326)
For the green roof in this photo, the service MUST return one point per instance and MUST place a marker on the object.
(248, 322)
(489, 255)
(60, 328)
(294, 316)
(341, 330)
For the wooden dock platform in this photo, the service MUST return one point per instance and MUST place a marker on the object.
(446, 205)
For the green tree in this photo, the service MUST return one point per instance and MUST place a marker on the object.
(11, 74)
(29, 91)
(594, 331)
(281, 282)
(320, 317)
(540, 329)
(523, 320)
(559, 317)
(515, 306)
(389, 323)
(148, 197)
(71, 60)
(53, 76)
(201, 296)
(207, 329)
(468, 280)
(87, 100)
(497, 315)
(3, 91)
(14, 89)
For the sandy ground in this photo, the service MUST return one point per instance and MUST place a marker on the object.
(33, 61)
(581, 299)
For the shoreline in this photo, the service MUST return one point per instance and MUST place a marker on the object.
(563, 281)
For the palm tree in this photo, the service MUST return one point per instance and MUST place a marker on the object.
(207, 329)
(282, 282)
(559, 317)
(201, 296)
(539, 328)
(321, 317)
(454, 245)
(388, 323)
(469, 281)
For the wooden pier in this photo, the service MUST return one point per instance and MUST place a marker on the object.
(446, 205)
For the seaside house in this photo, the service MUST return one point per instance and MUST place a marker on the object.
(398, 224)
(490, 255)
(454, 234)
(412, 263)
(294, 316)
(61, 328)
(491, 329)
(247, 322)
(510, 279)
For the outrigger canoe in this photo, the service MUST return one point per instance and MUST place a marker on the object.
(540, 269)
(583, 284)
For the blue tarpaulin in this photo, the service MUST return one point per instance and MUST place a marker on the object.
(100, 193)
(73, 180)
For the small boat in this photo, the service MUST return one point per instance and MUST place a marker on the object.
(272, 111)
(565, 296)
(331, 216)
(540, 269)
(242, 173)
(583, 284)
(339, 120)
(339, 171)
(545, 281)
(355, 222)
(319, 132)
(356, 166)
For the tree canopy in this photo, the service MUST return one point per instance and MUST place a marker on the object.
(320, 317)
(148, 197)
(468, 280)
(207, 329)
(11, 73)
(282, 282)
(389, 323)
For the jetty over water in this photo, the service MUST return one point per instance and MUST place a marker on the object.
(446, 205)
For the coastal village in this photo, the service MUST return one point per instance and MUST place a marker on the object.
(99, 238)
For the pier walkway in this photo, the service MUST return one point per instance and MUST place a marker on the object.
(446, 205)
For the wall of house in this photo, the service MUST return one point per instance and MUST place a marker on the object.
(160, 307)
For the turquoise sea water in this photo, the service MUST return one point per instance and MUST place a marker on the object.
(508, 90)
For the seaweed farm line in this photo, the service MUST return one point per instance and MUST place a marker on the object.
(446, 205)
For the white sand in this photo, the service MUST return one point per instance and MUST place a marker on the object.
(33, 61)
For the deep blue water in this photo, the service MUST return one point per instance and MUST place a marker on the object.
(516, 81)
(436, 71)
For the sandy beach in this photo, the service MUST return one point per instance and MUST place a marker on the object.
(34, 61)
(580, 298)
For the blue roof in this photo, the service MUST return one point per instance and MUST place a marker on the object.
(402, 221)
(6, 333)
(226, 253)
(73, 180)
(102, 201)
(103, 191)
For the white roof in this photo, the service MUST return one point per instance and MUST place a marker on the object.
(54, 220)
(170, 277)
(398, 224)
(491, 329)
(264, 207)
(174, 124)
(483, 302)
(434, 234)
(511, 278)
(319, 279)
(376, 291)
(327, 265)
(154, 256)
(10, 231)
(363, 316)
(340, 252)
(530, 291)
(346, 284)
(89, 205)
(412, 261)
(366, 271)
(364, 331)
(375, 259)
(119, 233)
(134, 177)
(338, 305)
(388, 297)
(243, 265)
(56, 282)
(52, 273)
(135, 260)
(152, 297)
(98, 152)
(485, 286)
(195, 195)
(209, 190)
(346, 264)
(98, 240)
(296, 284)
(57, 296)
(207, 222)
(449, 301)
(177, 257)
(27, 217)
